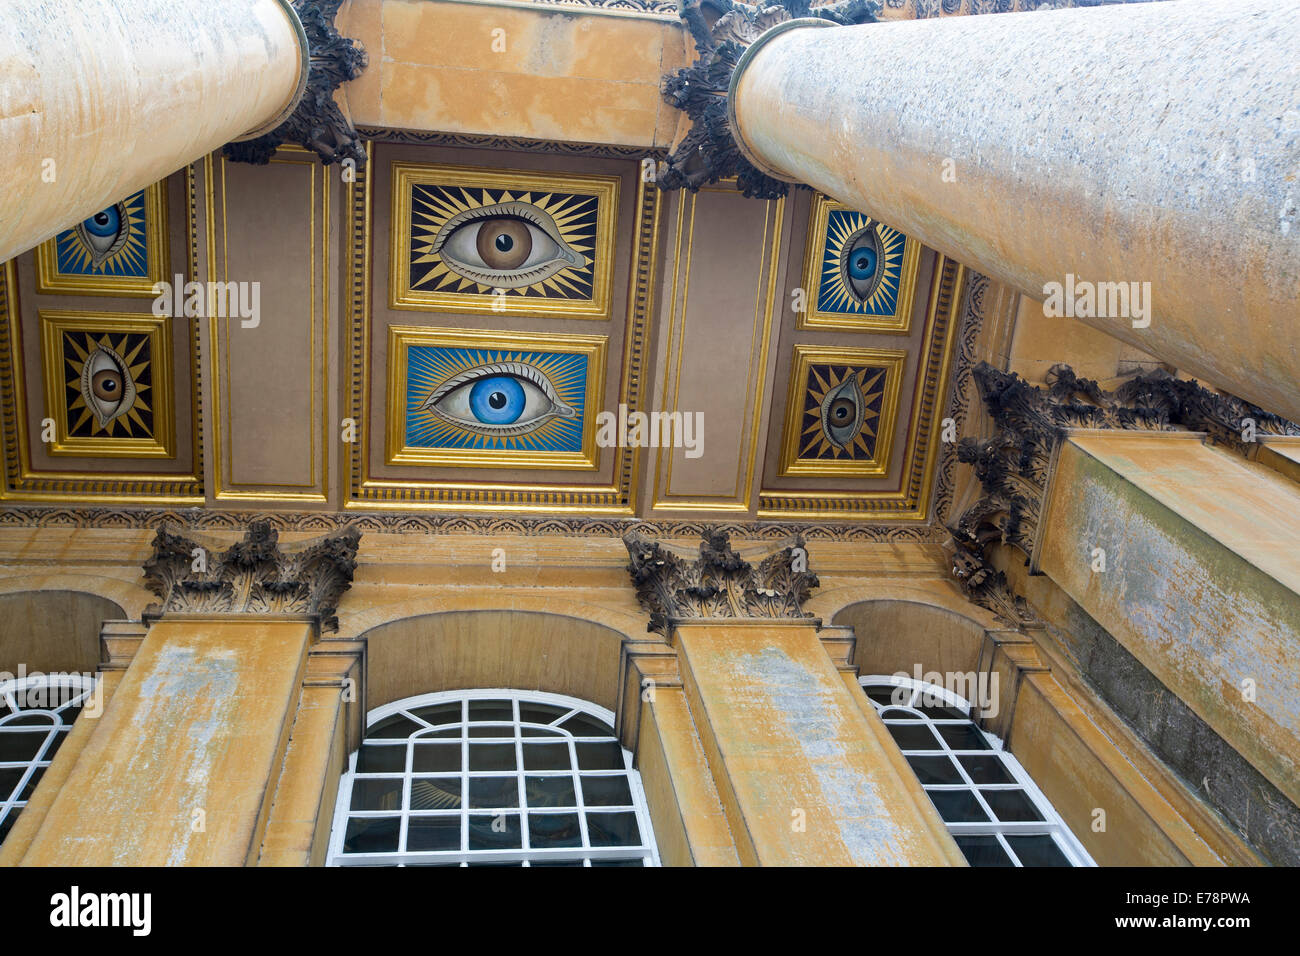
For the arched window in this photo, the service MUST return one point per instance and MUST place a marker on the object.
(491, 777)
(36, 714)
(989, 804)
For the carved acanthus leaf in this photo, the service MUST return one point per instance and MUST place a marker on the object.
(719, 583)
(722, 29)
(252, 576)
(317, 123)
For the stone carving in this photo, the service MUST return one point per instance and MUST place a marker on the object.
(719, 583)
(317, 123)
(253, 576)
(722, 29)
(1013, 465)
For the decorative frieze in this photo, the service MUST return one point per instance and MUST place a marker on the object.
(1013, 465)
(722, 31)
(317, 123)
(254, 576)
(675, 587)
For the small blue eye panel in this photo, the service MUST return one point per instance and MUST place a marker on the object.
(112, 242)
(861, 265)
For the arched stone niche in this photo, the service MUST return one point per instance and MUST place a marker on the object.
(54, 630)
(526, 650)
(896, 636)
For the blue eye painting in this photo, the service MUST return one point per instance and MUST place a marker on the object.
(487, 398)
(112, 242)
(861, 267)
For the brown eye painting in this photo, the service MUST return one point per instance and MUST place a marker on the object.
(471, 241)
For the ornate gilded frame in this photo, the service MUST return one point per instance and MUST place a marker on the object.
(402, 296)
(402, 338)
(892, 360)
(54, 363)
(50, 281)
(812, 317)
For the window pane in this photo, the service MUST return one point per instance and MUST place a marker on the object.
(384, 793)
(608, 756)
(986, 768)
(1037, 851)
(983, 851)
(433, 833)
(936, 769)
(606, 791)
(554, 829)
(914, 737)
(435, 793)
(957, 806)
(398, 725)
(491, 756)
(376, 758)
(963, 737)
(546, 756)
(499, 832)
(439, 713)
(493, 793)
(534, 712)
(372, 834)
(491, 710)
(613, 829)
(1011, 805)
(435, 758)
(584, 725)
(549, 791)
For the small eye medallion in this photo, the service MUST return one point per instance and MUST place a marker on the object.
(105, 233)
(502, 399)
(505, 245)
(842, 412)
(106, 385)
(861, 264)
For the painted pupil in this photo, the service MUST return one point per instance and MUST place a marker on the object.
(504, 243)
(103, 223)
(107, 385)
(842, 410)
(497, 400)
(862, 263)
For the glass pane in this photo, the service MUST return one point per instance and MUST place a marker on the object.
(553, 829)
(884, 696)
(898, 713)
(1039, 850)
(21, 745)
(539, 732)
(398, 725)
(914, 737)
(606, 792)
(492, 793)
(583, 725)
(957, 806)
(380, 759)
(433, 833)
(435, 758)
(384, 793)
(963, 737)
(372, 834)
(555, 863)
(10, 778)
(531, 712)
(448, 713)
(549, 791)
(491, 756)
(636, 862)
(505, 731)
(987, 768)
(607, 756)
(499, 832)
(435, 793)
(983, 851)
(936, 769)
(613, 829)
(936, 710)
(1011, 804)
(491, 710)
(546, 756)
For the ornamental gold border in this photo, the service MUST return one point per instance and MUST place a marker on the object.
(401, 338)
(49, 281)
(912, 501)
(402, 296)
(53, 324)
(900, 323)
(804, 356)
(364, 493)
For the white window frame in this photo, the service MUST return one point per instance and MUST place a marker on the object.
(78, 687)
(1051, 824)
(647, 852)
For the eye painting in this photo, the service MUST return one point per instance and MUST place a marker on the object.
(107, 381)
(862, 265)
(841, 410)
(112, 242)
(532, 244)
(489, 398)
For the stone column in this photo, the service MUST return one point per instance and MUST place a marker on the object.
(1143, 143)
(1150, 511)
(100, 98)
(193, 749)
(805, 771)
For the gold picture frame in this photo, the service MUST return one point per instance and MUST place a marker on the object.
(152, 244)
(813, 368)
(830, 303)
(557, 207)
(112, 343)
(560, 441)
